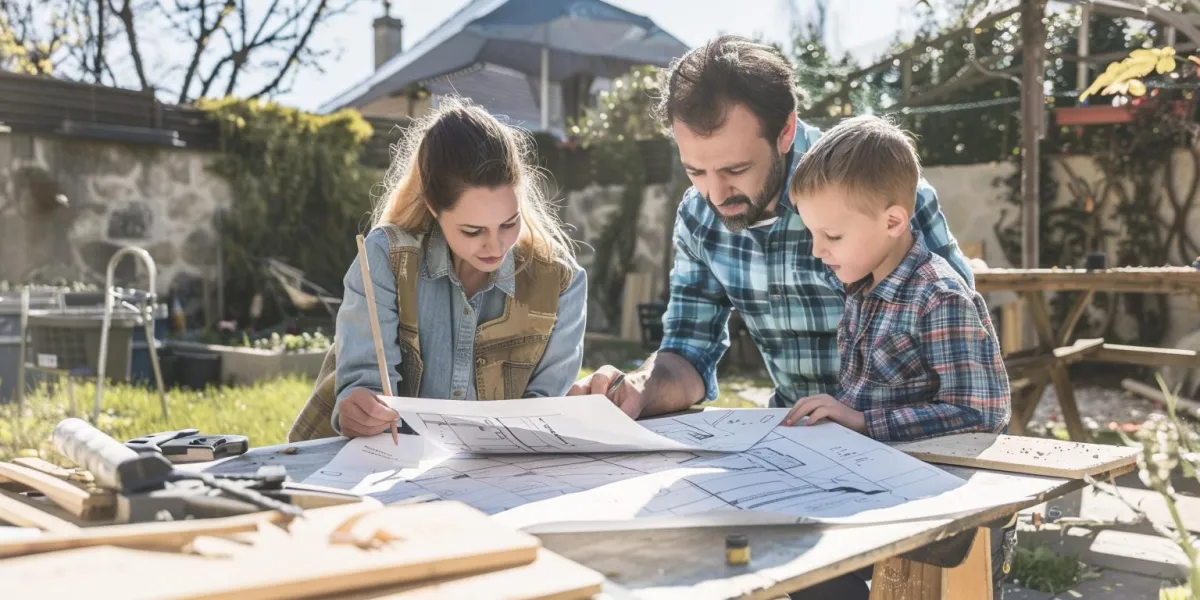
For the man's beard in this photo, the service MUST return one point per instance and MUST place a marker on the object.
(754, 208)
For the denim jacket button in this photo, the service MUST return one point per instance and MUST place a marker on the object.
(481, 361)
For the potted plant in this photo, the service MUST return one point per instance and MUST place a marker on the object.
(1123, 81)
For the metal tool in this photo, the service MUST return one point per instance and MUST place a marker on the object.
(189, 445)
(116, 466)
(147, 312)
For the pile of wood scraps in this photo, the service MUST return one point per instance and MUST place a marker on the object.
(362, 550)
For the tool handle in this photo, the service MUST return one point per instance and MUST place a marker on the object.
(93, 450)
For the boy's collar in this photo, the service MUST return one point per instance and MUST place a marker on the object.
(888, 290)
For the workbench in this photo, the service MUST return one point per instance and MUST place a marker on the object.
(1032, 370)
(690, 563)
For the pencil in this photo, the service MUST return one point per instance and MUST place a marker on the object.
(369, 290)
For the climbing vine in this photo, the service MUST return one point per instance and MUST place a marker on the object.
(611, 130)
(299, 191)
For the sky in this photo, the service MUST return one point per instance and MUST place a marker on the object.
(863, 28)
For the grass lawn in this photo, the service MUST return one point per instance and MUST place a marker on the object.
(262, 412)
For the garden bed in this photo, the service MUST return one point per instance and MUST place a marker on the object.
(244, 365)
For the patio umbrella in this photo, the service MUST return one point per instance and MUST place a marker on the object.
(554, 39)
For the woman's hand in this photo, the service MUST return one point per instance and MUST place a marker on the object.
(362, 413)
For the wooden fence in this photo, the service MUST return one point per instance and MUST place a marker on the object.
(47, 106)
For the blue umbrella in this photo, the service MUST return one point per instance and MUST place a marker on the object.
(552, 38)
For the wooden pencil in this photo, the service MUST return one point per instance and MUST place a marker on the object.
(369, 291)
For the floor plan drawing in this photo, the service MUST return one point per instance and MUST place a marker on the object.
(715, 431)
(821, 473)
(584, 424)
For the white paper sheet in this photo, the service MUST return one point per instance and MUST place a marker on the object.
(364, 458)
(822, 473)
(579, 424)
(8, 534)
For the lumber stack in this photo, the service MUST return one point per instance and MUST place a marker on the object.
(360, 550)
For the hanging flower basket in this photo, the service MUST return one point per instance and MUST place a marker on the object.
(1113, 115)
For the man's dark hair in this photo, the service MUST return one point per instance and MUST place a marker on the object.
(700, 87)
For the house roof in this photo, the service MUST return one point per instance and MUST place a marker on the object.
(581, 36)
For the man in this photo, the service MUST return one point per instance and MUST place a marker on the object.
(740, 245)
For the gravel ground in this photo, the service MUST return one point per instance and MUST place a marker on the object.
(1102, 408)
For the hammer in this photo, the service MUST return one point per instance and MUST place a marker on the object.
(117, 467)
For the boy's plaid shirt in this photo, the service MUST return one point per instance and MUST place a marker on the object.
(919, 354)
(768, 274)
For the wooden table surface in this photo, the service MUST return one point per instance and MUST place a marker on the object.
(690, 562)
(1164, 280)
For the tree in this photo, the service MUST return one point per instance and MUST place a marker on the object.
(26, 48)
(817, 71)
(246, 48)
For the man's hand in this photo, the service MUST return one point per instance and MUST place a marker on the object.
(628, 397)
(362, 413)
(824, 406)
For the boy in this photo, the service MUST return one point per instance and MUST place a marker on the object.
(919, 356)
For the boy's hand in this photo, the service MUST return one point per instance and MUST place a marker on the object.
(824, 406)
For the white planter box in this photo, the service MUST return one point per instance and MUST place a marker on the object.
(242, 366)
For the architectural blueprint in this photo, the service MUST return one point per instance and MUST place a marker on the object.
(821, 473)
(581, 424)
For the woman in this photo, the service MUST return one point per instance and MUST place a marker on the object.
(478, 293)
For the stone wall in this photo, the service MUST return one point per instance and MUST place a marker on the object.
(66, 205)
(586, 212)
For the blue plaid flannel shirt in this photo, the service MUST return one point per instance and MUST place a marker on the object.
(919, 354)
(785, 296)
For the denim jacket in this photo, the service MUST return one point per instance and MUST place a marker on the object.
(447, 323)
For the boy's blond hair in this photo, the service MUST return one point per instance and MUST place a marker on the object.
(869, 158)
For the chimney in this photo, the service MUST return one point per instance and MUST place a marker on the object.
(387, 38)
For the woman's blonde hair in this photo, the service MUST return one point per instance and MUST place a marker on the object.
(460, 146)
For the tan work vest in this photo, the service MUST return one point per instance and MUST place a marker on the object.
(507, 348)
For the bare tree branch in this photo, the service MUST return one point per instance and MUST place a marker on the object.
(202, 39)
(295, 53)
(127, 20)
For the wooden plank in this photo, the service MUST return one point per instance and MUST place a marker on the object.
(1012, 331)
(1150, 357)
(23, 514)
(973, 578)
(1079, 351)
(550, 577)
(167, 535)
(71, 497)
(1023, 409)
(902, 579)
(1139, 279)
(1064, 391)
(431, 540)
(1027, 455)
